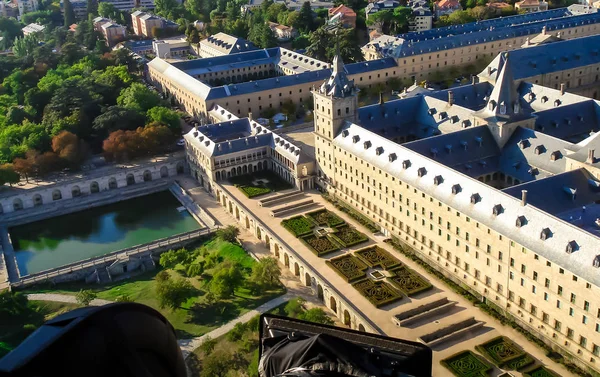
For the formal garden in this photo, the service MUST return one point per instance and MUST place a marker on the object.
(377, 257)
(467, 364)
(349, 267)
(408, 281)
(505, 354)
(259, 183)
(378, 293)
(323, 231)
(197, 288)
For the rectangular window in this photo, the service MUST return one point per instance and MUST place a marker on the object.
(573, 298)
(559, 290)
(557, 325)
(545, 317)
(522, 268)
(512, 262)
(596, 350)
(583, 341)
(571, 312)
(547, 283)
(570, 333)
(546, 296)
(586, 306)
(535, 275)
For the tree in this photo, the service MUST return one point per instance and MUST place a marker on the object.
(8, 175)
(229, 233)
(138, 97)
(266, 273)
(165, 116)
(480, 13)
(305, 19)
(107, 10)
(320, 43)
(217, 364)
(115, 118)
(10, 29)
(85, 296)
(262, 35)
(172, 293)
(69, 14)
(24, 47)
(194, 269)
(69, 148)
(226, 279)
(125, 297)
(208, 345)
(236, 332)
(316, 315)
(25, 166)
(12, 304)
(294, 307)
(164, 7)
(92, 8)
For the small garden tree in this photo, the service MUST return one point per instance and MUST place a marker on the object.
(85, 296)
(316, 315)
(229, 233)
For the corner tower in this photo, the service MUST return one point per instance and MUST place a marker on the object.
(335, 102)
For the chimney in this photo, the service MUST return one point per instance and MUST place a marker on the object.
(381, 98)
(590, 158)
(473, 79)
(489, 71)
(450, 98)
(523, 198)
(562, 89)
(250, 116)
(544, 30)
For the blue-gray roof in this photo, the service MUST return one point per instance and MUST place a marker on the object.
(490, 30)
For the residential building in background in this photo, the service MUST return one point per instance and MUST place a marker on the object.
(128, 5)
(9, 9)
(290, 4)
(79, 8)
(283, 33)
(223, 44)
(419, 54)
(33, 29)
(343, 15)
(26, 6)
(143, 23)
(380, 5)
(445, 7)
(422, 17)
(171, 47)
(498, 7)
(531, 6)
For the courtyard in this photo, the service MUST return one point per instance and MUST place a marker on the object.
(383, 315)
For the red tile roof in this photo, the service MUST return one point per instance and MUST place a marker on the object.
(448, 4)
(342, 9)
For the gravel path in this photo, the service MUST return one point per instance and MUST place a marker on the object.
(63, 298)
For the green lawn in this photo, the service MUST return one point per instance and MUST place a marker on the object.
(259, 183)
(195, 317)
(12, 332)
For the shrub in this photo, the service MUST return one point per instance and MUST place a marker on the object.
(298, 225)
(540, 371)
(253, 191)
(466, 364)
(377, 257)
(346, 208)
(409, 282)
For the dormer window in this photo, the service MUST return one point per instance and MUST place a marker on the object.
(355, 139)
(443, 115)
(466, 123)
(544, 99)
(392, 157)
(367, 144)
(432, 111)
(491, 105)
(571, 247)
(556, 155)
(545, 234)
(596, 262)
(454, 119)
(438, 180)
(523, 144)
(456, 189)
(539, 149)
(531, 96)
(475, 198)
(497, 210)
(502, 108)
(516, 107)
(521, 220)
(379, 151)
(421, 172)
(406, 164)
(567, 121)
(557, 103)
(345, 133)
(464, 144)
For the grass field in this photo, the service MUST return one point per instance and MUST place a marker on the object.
(195, 317)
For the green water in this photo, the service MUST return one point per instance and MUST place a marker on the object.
(66, 239)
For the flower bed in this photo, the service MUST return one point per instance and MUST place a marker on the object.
(409, 282)
(540, 371)
(298, 225)
(379, 293)
(320, 245)
(324, 217)
(377, 257)
(349, 267)
(466, 364)
(505, 353)
(348, 236)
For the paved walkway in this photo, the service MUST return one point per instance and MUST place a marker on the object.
(189, 345)
(63, 298)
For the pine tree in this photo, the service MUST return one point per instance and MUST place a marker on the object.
(92, 7)
(69, 13)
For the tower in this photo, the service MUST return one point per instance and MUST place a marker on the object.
(335, 102)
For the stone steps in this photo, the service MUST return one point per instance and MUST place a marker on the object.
(424, 311)
(281, 198)
(453, 331)
(293, 207)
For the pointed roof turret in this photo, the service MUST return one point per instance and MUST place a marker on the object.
(504, 100)
(338, 84)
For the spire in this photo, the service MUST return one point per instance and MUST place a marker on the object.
(504, 100)
(338, 84)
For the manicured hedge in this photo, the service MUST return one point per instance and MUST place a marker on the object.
(409, 282)
(349, 267)
(504, 353)
(348, 236)
(253, 191)
(467, 364)
(540, 371)
(375, 256)
(320, 245)
(324, 217)
(379, 293)
(298, 225)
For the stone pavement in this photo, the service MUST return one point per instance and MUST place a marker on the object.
(63, 298)
(383, 316)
